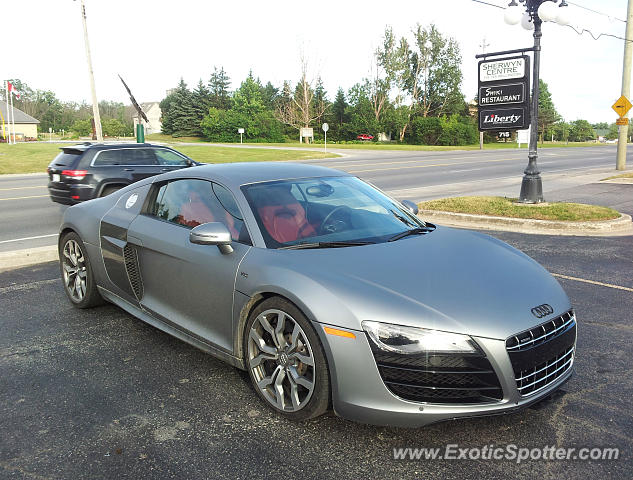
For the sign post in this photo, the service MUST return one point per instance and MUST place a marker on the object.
(241, 132)
(325, 128)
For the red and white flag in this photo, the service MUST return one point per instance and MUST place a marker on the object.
(13, 90)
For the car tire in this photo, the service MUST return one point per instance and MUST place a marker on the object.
(286, 364)
(108, 190)
(76, 270)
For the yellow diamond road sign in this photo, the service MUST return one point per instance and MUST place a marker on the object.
(622, 106)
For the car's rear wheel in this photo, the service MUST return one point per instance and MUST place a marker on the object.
(79, 283)
(285, 360)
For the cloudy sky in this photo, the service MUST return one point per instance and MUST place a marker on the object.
(152, 43)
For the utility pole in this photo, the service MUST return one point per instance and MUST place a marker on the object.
(95, 104)
(626, 86)
(483, 46)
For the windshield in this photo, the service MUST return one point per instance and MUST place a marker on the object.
(327, 209)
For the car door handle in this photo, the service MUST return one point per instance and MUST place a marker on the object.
(128, 169)
(165, 169)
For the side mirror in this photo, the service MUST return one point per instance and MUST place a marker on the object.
(409, 205)
(212, 233)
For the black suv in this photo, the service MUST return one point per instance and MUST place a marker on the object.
(90, 170)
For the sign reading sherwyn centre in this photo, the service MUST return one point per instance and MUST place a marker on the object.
(506, 69)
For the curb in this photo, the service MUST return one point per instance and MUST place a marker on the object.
(616, 227)
(621, 181)
(27, 257)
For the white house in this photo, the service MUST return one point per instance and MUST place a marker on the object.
(152, 110)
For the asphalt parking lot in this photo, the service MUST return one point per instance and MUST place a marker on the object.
(99, 394)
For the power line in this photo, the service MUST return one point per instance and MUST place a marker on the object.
(610, 17)
(490, 4)
(596, 11)
(583, 30)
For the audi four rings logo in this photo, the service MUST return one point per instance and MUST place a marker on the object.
(542, 310)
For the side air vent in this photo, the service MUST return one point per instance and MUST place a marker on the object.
(130, 257)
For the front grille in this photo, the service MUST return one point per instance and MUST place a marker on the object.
(439, 378)
(130, 258)
(542, 354)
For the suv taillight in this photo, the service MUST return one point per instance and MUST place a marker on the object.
(76, 174)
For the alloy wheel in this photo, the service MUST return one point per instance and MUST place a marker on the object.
(281, 360)
(74, 270)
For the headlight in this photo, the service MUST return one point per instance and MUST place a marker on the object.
(412, 340)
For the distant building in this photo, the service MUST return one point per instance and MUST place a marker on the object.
(152, 110)
(25, 125)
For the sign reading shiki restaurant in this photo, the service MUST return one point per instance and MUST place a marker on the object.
(504, 86)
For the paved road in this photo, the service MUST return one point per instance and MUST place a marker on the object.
(26, 211)
(99, 394)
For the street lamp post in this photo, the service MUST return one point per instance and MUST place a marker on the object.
(536, 11)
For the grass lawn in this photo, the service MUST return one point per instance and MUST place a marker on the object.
(35, 156)
(396, 146)
(623, 175)
(506, 207)
(159, 137)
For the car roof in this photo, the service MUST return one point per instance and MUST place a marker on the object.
(82, 147)
(242, 173)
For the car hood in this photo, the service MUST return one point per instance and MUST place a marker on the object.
(452, 280)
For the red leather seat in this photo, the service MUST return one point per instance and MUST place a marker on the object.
(287, 222)
(194, 212)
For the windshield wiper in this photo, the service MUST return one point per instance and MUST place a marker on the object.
(413, 231)
(299, 246)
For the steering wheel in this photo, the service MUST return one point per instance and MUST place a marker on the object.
(329, 226)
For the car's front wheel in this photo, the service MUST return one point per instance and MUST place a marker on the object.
(286, 361)
(79, 283)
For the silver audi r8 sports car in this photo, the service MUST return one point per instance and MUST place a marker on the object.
(327, 291)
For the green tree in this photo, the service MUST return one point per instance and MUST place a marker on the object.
(200, 103)
(269, 96)
(547, 114)
(561, 131)
(82, 127)
(247, 99)
(581, 131)
(113, 127)
(424, 74)
(614, 132)
(219, 85)
(178, 114)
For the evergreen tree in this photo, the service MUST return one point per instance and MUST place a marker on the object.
(339, 106)
(219, 84)
(547, 114)
(201, 102)
(269, 96)
(248, 99)
(320, 101)
(182, 112)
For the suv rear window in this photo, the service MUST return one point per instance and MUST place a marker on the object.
(65, 159)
